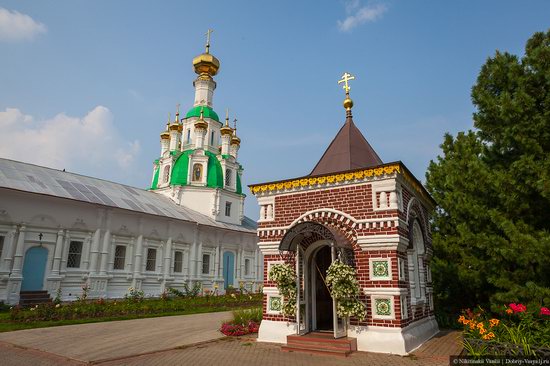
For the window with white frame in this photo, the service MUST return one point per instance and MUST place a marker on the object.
(247, 267)
(75, 254)
(205, 263)
(188, 139)
(120, 257)
(151, 259)
(178, 261)
(228, 177)
(227, 208)
(166, 174)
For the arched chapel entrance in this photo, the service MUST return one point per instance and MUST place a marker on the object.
(315, 247)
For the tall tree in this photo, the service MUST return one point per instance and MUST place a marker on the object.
(492, 227)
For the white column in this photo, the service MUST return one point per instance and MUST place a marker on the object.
(138, 256)
(221, 263)
(94, 252)
(256, 265)
(9, 245)
(130, 255)
(238, 267)
(217, 262)
(18, 257)
(199, 260)
(86, 253)
(167, 258)
(193, 255)
(57, 253)
(105, 253)
(65, 252)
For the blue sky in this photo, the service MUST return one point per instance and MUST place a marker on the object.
(87, 86)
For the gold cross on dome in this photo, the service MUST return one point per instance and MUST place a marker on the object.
(345, 78)
(208, 32)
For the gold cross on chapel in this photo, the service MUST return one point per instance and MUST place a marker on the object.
(208, 33)
(345, 79)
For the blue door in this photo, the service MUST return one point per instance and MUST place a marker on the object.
(34, 268)
(228, 268)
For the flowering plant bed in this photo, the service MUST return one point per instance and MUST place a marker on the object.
(244, 322)
(517, 331)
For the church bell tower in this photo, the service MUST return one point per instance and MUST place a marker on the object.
(198, 166)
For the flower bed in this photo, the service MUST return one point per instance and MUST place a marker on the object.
(244, 322)
(517, 331)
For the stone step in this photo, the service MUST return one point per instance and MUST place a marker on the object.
(320, 343)
(316, 351)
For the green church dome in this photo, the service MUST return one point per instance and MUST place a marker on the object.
(207, 113)
(180, 170)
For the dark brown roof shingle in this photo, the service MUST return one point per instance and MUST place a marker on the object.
(348, 150)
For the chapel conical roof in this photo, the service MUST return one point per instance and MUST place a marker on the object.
(349, 150)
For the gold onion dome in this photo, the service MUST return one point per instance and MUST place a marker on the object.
(226, 130)
(201, 123)
(165, 135)
(205, 64)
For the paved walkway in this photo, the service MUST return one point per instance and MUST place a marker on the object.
(183, 340)
(108, 340)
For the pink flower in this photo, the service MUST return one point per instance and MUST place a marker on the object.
(544, 311)
(518, 308)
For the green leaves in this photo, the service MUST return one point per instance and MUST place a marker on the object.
(491, 231)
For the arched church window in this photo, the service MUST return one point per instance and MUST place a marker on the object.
(416, 266)
(166, 174)
(188, 139)
(228, 177)
(197, 172)
(212, 138)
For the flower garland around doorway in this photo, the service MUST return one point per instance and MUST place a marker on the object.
(344, 288)
(285, 278)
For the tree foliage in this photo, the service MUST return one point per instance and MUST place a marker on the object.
(492, 228)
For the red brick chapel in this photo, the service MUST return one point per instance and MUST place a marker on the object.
(371, 215)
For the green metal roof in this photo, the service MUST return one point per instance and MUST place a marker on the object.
(207, 113)
(155, 179)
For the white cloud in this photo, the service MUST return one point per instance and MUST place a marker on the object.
(15, 26)
(358, 14)
(90, 145)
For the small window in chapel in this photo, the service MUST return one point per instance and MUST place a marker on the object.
(228, 209)
(120, 257)
(75, 253)
(166, 174)
(151, 259)
(228, 177)
(206, 263)
(197, 172)
(1, 245)
(178, 261)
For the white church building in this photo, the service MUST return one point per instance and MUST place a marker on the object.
(62, 231)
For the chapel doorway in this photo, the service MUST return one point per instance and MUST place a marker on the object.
(321, 296)
(34, 268)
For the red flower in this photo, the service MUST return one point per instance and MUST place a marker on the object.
(544, 311)
(518, 308)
